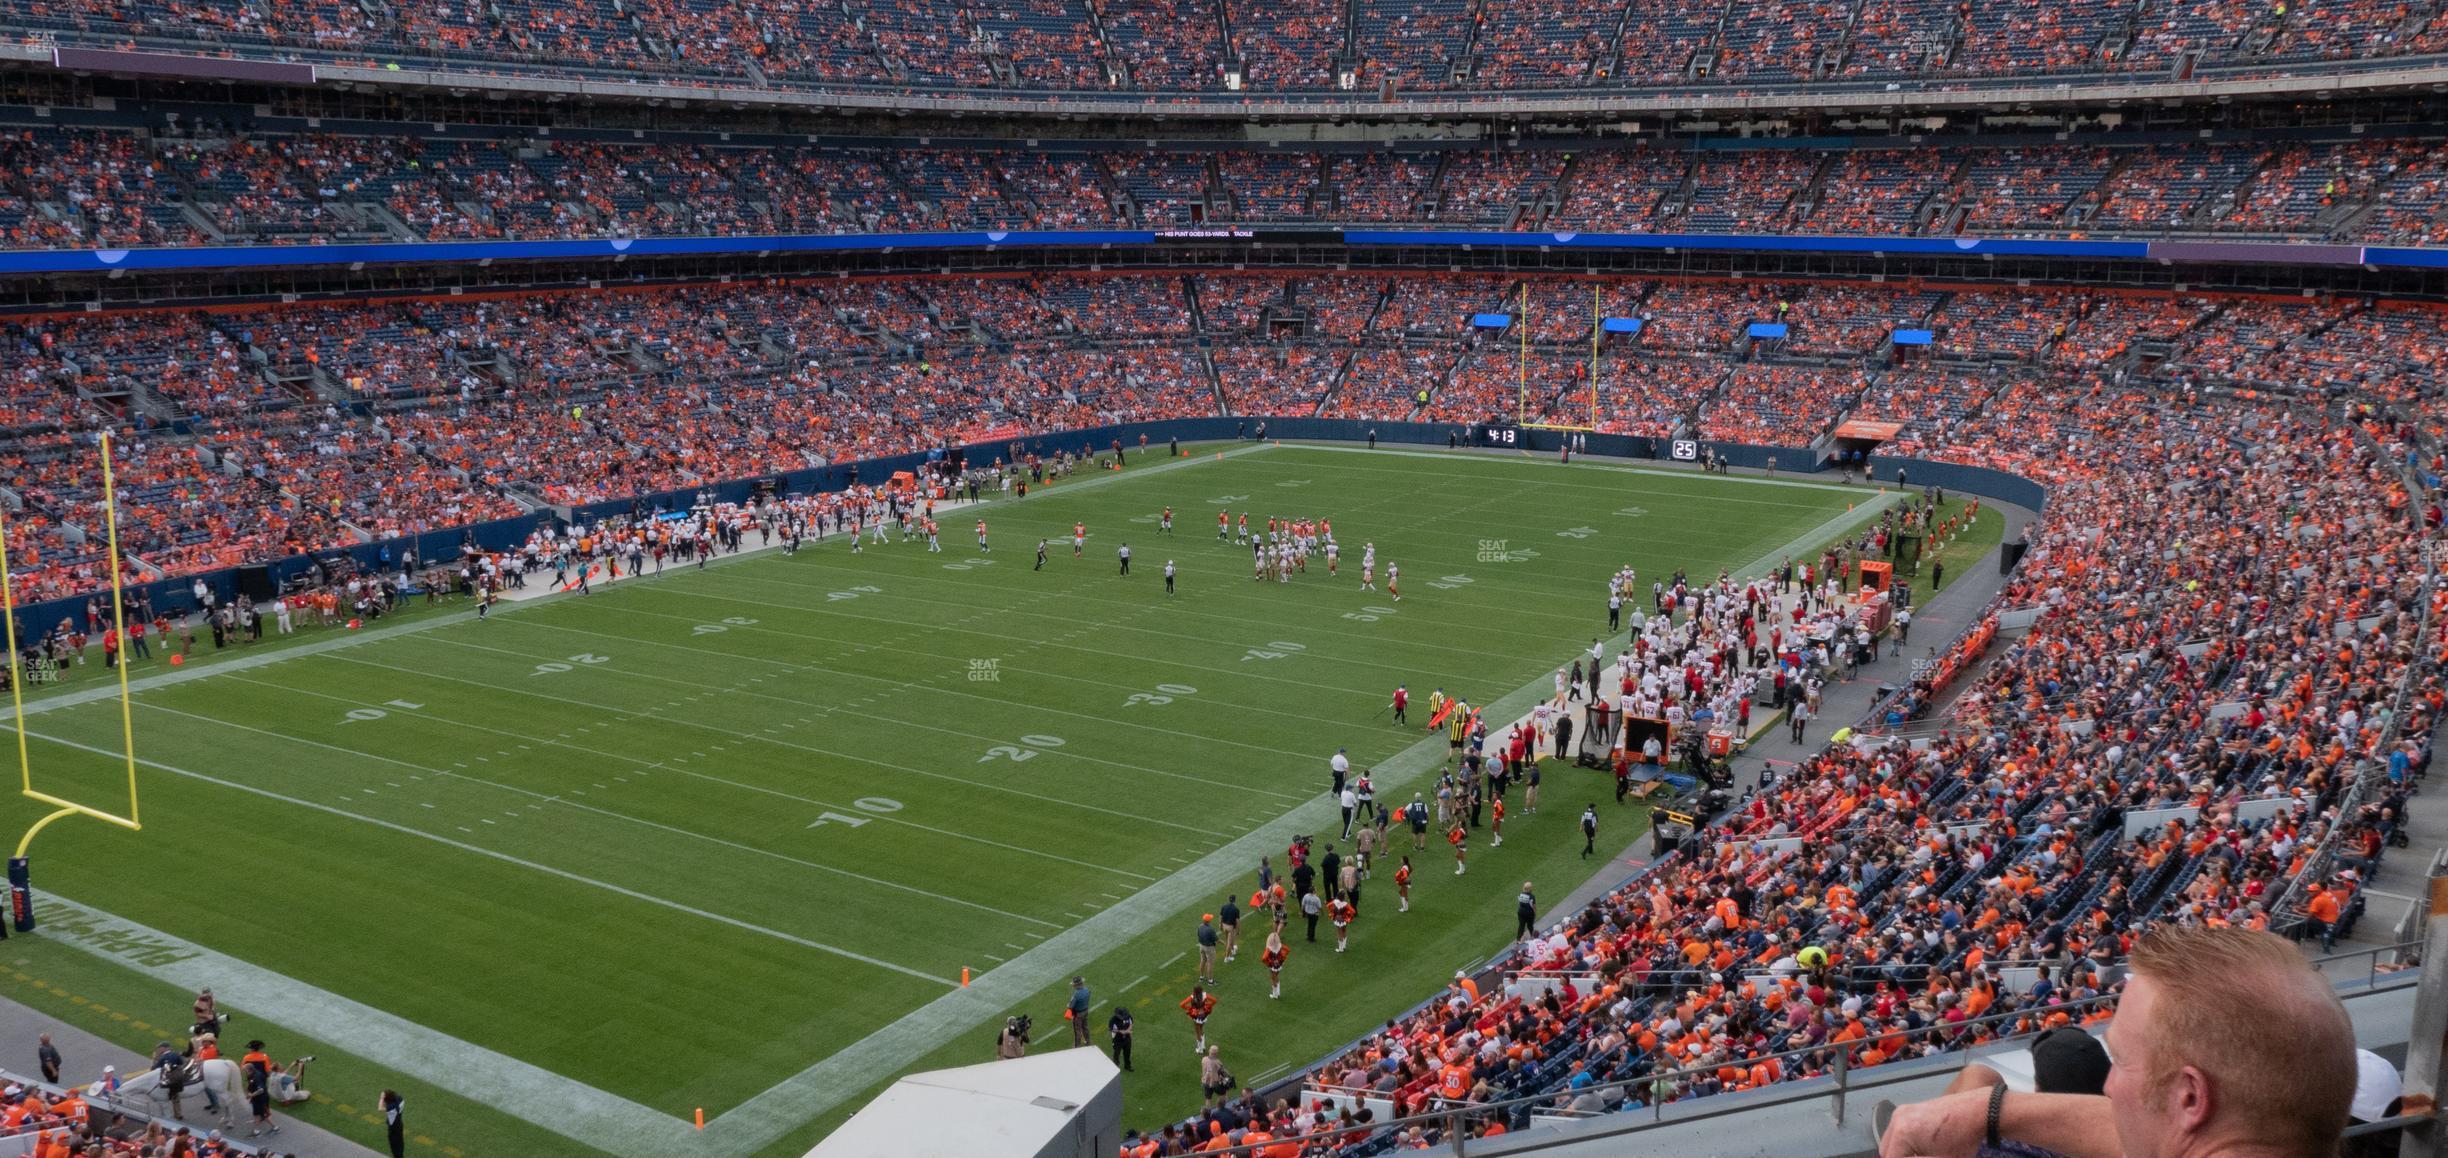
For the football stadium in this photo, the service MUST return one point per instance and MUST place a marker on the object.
(743, 579)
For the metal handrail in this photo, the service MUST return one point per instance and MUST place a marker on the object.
(1453, 1118)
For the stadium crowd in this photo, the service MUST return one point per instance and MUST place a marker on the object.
(213, 185)
(918, 45)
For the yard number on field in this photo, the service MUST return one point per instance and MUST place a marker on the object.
(853, 593)
(1577, 533)
(584, 657)
(1369, 614)
(973, 563)
(1168, 691)
(725, 625)
(1027, 749)
(378, 713)
(1450, 582)
(1275, 650)
(863, 804)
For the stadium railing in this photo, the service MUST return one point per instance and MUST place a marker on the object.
(100, 1105)
(1838, 1085)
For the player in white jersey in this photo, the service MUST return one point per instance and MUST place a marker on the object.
(1393, 578)
(1334, 556)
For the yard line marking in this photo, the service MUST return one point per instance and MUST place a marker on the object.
(549, 870)
(982, 738)
(422, 805)
(1133, 983)
(1171, 733)
(683, 721)
(1169, 961)
(486, 820)
(620, 816)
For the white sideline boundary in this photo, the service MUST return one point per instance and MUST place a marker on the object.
(790, 1104)
(1594, 464)
(570, 1108)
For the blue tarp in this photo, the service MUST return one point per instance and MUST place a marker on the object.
(1491, 321)
(1767, 329)
(1914, 337)
(1621, 325)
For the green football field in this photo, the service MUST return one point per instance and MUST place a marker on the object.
(727, 839)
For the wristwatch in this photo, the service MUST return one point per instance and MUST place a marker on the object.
(1997, 1105)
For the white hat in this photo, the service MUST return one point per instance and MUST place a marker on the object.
(2376, 1085)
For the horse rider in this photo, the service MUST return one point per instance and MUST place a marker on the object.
(178, 1071)
(172, 1065)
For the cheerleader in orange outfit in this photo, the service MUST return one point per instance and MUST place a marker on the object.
(1402, 885)
(1273, 957)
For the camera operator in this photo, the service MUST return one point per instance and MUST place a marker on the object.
(1014, 1041)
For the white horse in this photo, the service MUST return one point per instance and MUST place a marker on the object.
(145, 1092)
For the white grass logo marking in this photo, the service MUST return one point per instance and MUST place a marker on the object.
(1500, 551)
(985, 671)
